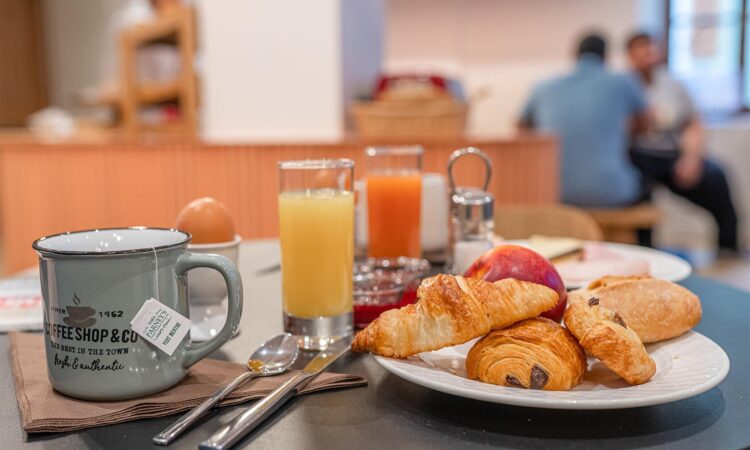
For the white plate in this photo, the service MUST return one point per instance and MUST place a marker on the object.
(685, 366)
(662, 264)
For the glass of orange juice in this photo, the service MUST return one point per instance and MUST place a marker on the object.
(316, 224)
(394, 195)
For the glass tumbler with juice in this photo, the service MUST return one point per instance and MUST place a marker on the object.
(316, 224)
(394, 193)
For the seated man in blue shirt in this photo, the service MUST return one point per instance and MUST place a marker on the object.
(591, 110)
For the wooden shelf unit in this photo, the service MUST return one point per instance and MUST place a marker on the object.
(176, 26)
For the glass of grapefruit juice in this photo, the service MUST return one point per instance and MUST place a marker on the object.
(394, 195)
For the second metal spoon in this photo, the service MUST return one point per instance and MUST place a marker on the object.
(275, 356)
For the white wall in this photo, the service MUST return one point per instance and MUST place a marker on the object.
(79, 46)
(278, 69)
(503, 45)
(270, 69)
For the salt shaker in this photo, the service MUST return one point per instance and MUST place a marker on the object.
(472, 221)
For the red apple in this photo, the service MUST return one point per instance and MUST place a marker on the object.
(521, 263)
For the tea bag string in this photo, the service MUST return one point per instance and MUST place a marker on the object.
(156, 274)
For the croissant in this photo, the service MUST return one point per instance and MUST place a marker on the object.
(450, 311)
(604, 334)
(535, 354)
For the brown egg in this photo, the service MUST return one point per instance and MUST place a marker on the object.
(208, 220)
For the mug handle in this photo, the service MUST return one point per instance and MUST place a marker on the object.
(231, 275)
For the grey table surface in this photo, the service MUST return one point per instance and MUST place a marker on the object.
(393, 413)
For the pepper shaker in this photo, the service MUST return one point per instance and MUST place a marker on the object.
(472, 216)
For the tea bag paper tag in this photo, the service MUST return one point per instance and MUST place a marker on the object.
(160, 325)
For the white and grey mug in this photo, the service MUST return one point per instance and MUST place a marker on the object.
(94, 282)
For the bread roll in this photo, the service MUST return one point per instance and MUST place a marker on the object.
(655, 309)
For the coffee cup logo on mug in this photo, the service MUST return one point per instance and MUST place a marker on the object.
(79, 316)
(95, 282)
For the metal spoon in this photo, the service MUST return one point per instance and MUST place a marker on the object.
(274, 357)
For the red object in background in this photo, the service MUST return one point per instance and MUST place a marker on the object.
(364, 314)
(171, 113)
(521, 263)
(385, 81)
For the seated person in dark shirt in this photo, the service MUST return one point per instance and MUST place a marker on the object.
(671, 151)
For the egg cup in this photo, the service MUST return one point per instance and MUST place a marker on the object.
(206, 287)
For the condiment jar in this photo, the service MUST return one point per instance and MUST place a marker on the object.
(472, 216)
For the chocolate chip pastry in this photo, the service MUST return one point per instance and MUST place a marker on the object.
(655, 309)
(604, 334)
(534, 354)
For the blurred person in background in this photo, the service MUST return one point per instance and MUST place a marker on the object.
(591, 110)
(671, 151)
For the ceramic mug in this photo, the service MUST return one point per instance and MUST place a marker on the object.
(94, 283)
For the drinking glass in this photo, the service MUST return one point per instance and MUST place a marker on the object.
(316, 224)
(394, 195)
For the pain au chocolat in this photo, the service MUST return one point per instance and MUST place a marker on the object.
(534, 354)
(452, 310)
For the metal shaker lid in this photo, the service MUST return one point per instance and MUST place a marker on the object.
(460, 153)
(471, 205)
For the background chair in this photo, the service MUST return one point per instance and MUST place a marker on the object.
(521, 221)
(622, 224)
